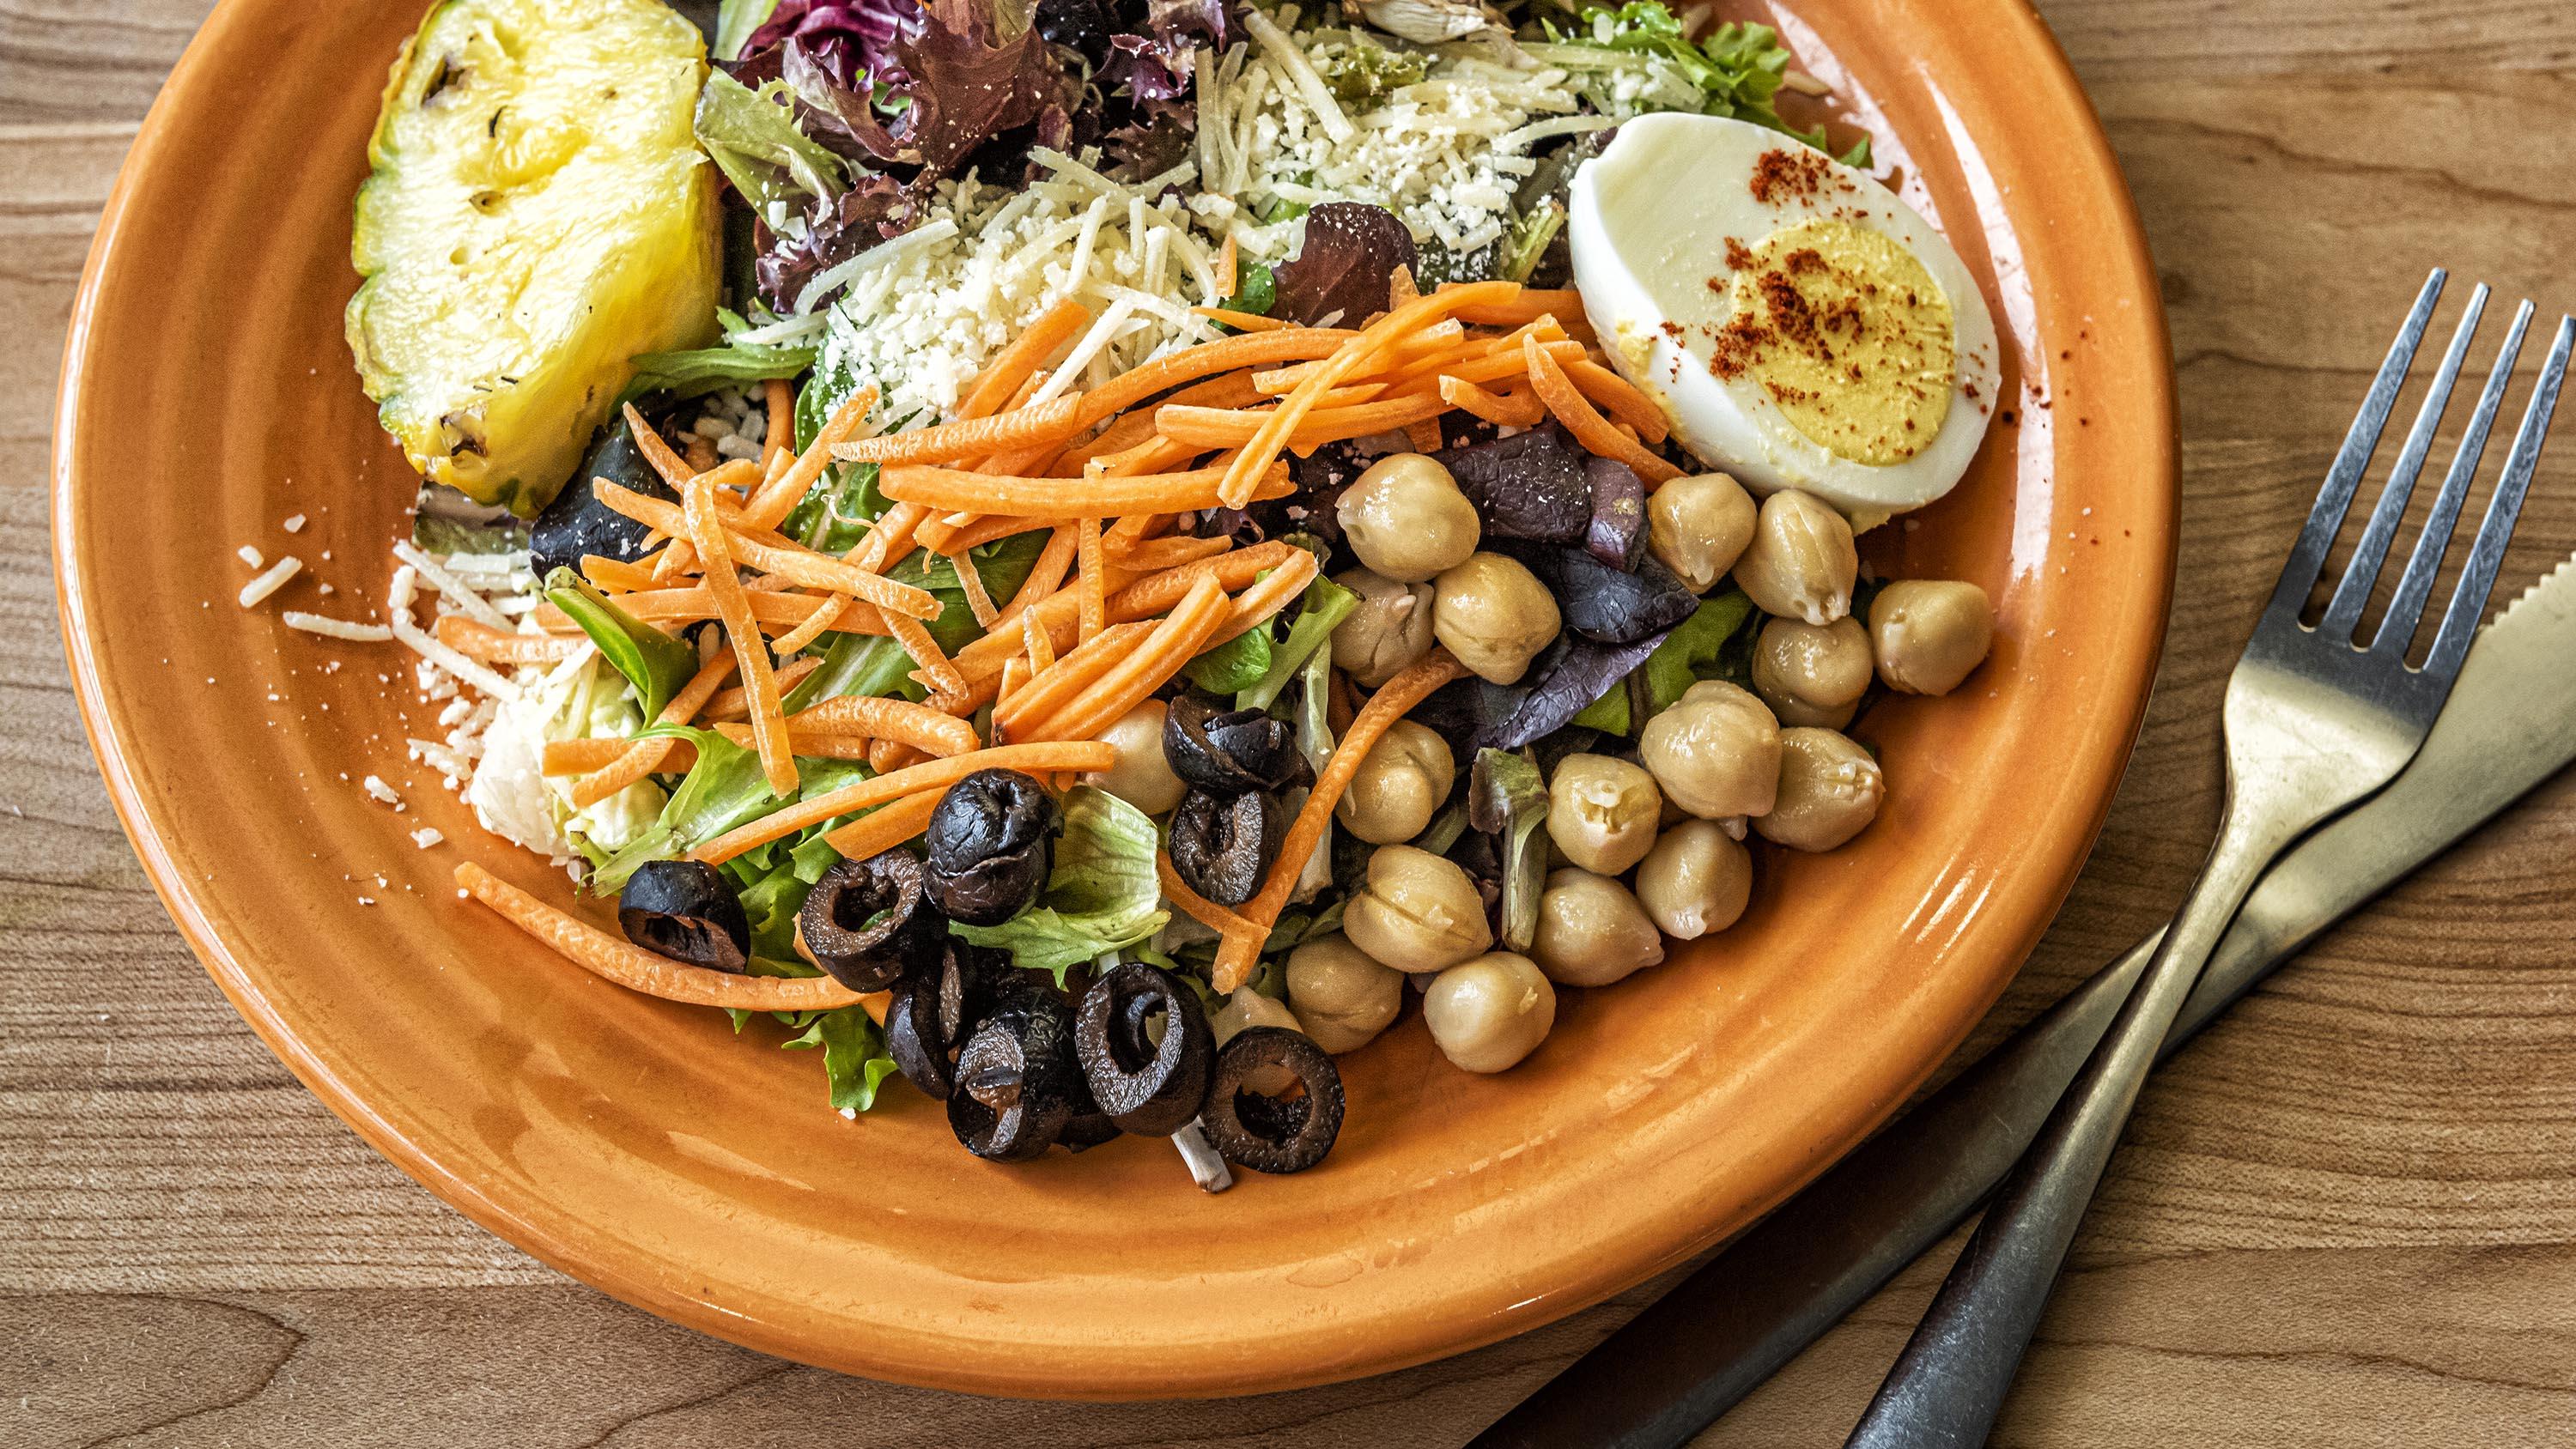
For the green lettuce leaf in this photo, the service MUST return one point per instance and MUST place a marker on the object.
(1103, 895)
(1507, 795)
(736, 22)
(1735, 71)
(752, 137)
(835, 513)
(657, 664)
(855, 1060)
(1238, 663)
(1256, 290)
(1326, 604)
(1704, 646)
(703, 370)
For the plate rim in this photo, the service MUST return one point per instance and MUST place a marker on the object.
(567, 1252)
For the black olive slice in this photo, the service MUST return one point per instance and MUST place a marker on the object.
(933, 1011)
(1151, 1089)
(1234, 752)
(1089, 1130)
(1017, 1082)
(686, 910)
(866, 921)
(991, 846)
(1273, 1134)
(1222, 847)
(577, 523)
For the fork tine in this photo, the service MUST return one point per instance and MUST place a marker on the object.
(2469, 600)
(2299, 575)
(2352, 591)
(2415, 587)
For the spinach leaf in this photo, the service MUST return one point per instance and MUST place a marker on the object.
(657, 664)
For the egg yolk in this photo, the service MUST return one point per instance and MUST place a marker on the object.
(1848, 334)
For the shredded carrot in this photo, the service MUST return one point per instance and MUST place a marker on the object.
(1241, 950)
(735, 704)
(1246, 349)
(1531, 304)
(1165, 652)
(637, 969)
(1221, 428)
(935, 774)
(1197, 907)
(771, 607)
(1424, 435)
(1155, 593)
(1052, 421)
(770, 506)
(1232, 390)
(1624, 399)
(815, 627)
(588, 755)
(1047, 574)
(979, 600)
(1055, 687)
(645, 756)
(1519, 410)
(1586, 424)
(988, 529)
(477, 640)
(1267, 597)
(1133, 529)
(1153, 455)
(781, 438)
(1490, 367)
(1165, 553)
(777, 761)
(886, 827)
(784, 557)
(1259, 454)
(615, 575)
(938, 670)
(1015, 676)
(1094, 572)
(1029, 351)
(1100, 497)
(1243, 321)
(888, 537)
(1228, 268)
(657, 450)
(1041, 649)
(888, 719)
(808, 744)
(1440, 341)
(887, 756)
(1400, 288)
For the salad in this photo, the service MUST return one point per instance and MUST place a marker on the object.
(1097, 557)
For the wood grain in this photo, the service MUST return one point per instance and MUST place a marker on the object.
(2346, 1217)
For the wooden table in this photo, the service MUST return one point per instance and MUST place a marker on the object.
(2346, 1217)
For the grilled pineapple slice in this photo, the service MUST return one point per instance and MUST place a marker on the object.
(539, 214)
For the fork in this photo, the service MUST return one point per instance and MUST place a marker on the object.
(2315, 722)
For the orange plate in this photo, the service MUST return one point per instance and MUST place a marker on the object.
(207, 395)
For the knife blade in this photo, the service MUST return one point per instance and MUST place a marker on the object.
(1693, 1354)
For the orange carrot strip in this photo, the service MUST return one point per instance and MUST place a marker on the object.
(1519, 410)
(644, 757)
(883, 829)
(1532, 304)
(887, 756)
(1220, 428)
(1267, 597)
(1012, 366)
(615, 574)
(979, 600)
(1233, 390)
(815, 627)
(1155, 455)
(1246, 472)
(1624, 399)
(771, 607)
(1015, 676)
(1052, 421)
(809, 744)
(772, 554)
(1197, 907)
(1047, 574)
(1084, 755)
(1441, 340)
(1241, 950)
(781, 438)
(735, 704)
(1228, 265)
(1174, 642)
(589, 755)
(1052, 688)
(706, 531)
(988, 529)
(888, 719)
(770, 505)
(1425, 435)
(1400, 288)
(477, 640)
(1165, 553)
(938, 671)
(657, 451)
(637, 969)
(1490, 367)
(1589, 428)
(889, 536)
(1246, 349)
(1244, 321)
(1093, 497)
(1155, 593)
(1094, 571)
(1041, 649)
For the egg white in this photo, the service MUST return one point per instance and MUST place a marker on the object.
(1649, 224)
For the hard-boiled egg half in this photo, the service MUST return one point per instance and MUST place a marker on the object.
(1804, 328)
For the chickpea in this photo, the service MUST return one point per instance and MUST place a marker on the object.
(1344, 998)
(1698, 527)
(1812, 676)
(1829, 791)
(1930, 633)
(1400, 784)
(1695, 881)
(1407, 520)
(1142, 776)
(1716, 752)
(1416, 912)
(1389, 630)
(1801, 563)
(1489, 1013)
(1248, 1008)
(1601, 812)
(1591, 931)
(1495, 615)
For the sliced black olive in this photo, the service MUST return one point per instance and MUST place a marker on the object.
(1273, 1134)
(1618, 533)
(1232, 752)
(1147, 1087)
(686, 910)
(577, 523)
(1528, 486)
(1089, 1130)
(991, 845)
(1018, 1084)
(933, 1010)
(866, 922)
(1223, 847)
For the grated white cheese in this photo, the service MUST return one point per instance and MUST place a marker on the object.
(329, 627)
(376, 787)
(249, 555)
(425, 837)
(258, 589)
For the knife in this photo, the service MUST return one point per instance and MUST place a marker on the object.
(1690, 1356)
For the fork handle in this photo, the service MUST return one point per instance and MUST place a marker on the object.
(1948, 1385)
